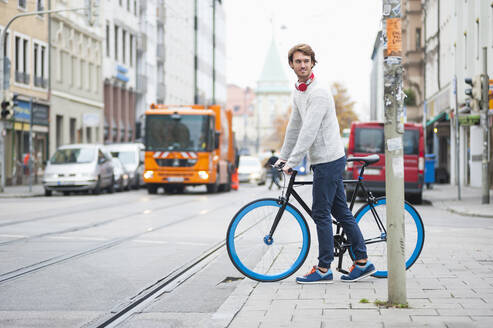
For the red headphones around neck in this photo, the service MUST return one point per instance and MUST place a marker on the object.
(302, 86)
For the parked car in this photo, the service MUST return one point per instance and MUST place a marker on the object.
(122, 181)
(367, 138)
(132, 157)
(79, 167)
(251, 170)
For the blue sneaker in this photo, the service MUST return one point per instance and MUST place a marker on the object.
(359, 272)
(315, 276)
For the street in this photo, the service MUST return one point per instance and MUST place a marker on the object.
(70, 261)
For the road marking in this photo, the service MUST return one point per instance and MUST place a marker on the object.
(78, 238)
(14, 236)
(147, 211)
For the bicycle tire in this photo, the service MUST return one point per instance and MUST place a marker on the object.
(251, 254)
(414, 228)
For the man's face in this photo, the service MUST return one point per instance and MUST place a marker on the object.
(302, 65)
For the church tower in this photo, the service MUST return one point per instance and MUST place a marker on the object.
(273, 98)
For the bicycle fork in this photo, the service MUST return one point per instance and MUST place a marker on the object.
(268, 239)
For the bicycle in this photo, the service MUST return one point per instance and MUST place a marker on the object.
(269, 239)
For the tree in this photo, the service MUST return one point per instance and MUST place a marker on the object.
(280, 124)
(344, 106)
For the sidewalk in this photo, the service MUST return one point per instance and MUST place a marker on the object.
(22, 191)
(444, 196)
(451, 284)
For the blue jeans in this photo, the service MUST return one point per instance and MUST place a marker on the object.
(329, 198)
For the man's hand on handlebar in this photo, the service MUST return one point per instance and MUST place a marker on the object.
(279, 163)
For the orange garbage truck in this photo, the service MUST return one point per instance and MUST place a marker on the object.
(188, 146)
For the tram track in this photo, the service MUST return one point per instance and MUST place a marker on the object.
(87, 226)
(28, 269)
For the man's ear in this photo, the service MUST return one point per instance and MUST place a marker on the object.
(291, 65)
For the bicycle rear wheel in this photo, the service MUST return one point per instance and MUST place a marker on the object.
(267, 260)
(376, 240)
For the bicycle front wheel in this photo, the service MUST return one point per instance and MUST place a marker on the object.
(259, 258)
(376, 238)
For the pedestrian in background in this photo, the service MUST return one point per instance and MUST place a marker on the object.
(313, 128)
(274, 171)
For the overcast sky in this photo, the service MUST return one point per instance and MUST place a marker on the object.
(341, 32)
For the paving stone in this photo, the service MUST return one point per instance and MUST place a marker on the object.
(365, 315)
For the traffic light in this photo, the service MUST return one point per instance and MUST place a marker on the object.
(474, 92)
(8, 105)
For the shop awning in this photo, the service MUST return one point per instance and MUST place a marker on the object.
(442, 116)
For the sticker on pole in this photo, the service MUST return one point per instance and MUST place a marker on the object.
(394, 144)
(398, 167)
(394, 38)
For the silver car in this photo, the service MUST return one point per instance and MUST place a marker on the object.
(132, 157)
(79, 167)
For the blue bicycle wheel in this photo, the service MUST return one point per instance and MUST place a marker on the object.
(258, 257)
(376, 239)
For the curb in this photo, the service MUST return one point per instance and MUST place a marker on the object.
(6, 196)
(444, 206)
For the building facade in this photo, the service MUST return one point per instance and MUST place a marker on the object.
(413, 59)
(27, 50)
(210, 52)
(121, 28)
(455, 34)
(376, 81)
(76, 52)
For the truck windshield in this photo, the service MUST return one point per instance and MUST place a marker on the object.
(178, 132)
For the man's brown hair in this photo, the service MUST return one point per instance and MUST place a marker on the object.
(304, 49)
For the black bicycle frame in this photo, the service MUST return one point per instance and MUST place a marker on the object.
(343, 245)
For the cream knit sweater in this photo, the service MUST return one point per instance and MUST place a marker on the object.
(312, 127)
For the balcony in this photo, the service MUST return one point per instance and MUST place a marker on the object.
(40, 82)
(142, 43)
(160, 52)
(142, 6)
(160, 14)
(160, 90)
(141, 86)
(22, 77)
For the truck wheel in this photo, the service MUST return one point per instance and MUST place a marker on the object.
(230, 182)
(169, 189)
(48, 192)
(212, 188)
(151, 189)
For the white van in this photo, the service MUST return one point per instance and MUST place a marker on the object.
(132, 157)
(79, 167)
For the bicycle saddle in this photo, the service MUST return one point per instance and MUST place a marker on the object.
(367, 159)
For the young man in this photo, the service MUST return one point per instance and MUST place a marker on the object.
(313, 128)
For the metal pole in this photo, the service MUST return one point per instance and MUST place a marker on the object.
(394, 158)
(457, 136)
(484, 124)
(31, 144)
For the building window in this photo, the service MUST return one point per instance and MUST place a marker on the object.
(59, 130)
(477, 39)
(40, 5)
(128, 5)
(116, 42)
(82, 73)
(88, 135)
(418, 38)
(107, 40)
(22, 4)
(73, 130)
(121, 3)
(43, 65)
(73, 69)
(124, 46)
(21, 60)
(135, 7)
(465, 50)
(90, 76)
(36, 64)
(39, 58)
(131, 50)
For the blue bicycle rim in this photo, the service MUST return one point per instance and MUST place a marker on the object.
(419, 227)
(262, 277)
